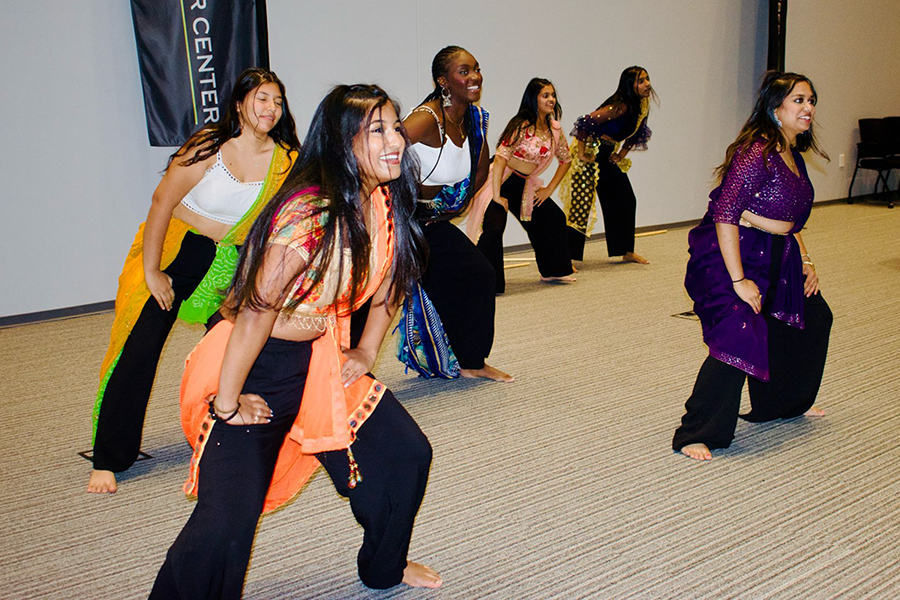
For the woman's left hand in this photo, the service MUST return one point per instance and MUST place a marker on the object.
(811, 283)
(540, 195)
(358, 364)
(615, 157)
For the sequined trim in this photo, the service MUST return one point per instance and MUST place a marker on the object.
(190, 486)
(309, 322)
(792, 319)
(365, 408)
(739, 363)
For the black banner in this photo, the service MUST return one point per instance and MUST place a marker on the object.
(777, 34)
(190, 53)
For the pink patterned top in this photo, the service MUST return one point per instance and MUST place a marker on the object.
(535, 149)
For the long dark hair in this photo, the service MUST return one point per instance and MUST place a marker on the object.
(439, 65)
(207, 141)
(625, 93)
(528, 111)
(775, 87)
(327, 162)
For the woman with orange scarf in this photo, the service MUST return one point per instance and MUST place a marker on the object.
(184, 256)
(273, 390)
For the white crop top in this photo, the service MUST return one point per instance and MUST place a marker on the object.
(220, 196)
(454, 165)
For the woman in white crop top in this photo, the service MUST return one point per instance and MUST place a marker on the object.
(458, 280)
(184, 254)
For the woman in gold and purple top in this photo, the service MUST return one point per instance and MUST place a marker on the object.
(604, 137)
(527, 146)
(753, 284)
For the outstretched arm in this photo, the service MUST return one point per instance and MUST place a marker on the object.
(251, 330)
(176, 183)
(547, 191)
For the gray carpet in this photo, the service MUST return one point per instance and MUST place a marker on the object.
(560, 485)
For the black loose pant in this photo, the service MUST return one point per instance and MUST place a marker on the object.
(460, 283)
(618, 206)
(796, 365)
(210, 556)
(546, 231)
(124, 406)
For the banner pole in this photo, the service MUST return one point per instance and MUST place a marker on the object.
(262, 33)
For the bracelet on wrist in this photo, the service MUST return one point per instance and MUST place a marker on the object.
(810, 263)
(215, 413)
(733, 281)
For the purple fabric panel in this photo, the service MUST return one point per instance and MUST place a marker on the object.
(732, 331)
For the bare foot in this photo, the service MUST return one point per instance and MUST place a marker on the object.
(563, 279)
(487, 372)
(574, 268)
(697, 451)
(814, 412)
(102, 482)
(416, 575)
(635, 258)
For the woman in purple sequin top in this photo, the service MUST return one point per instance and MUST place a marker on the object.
(754, 286)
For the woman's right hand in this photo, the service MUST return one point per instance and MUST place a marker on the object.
(253, 411)
(503, 202)
(747, 291)
(160, 286)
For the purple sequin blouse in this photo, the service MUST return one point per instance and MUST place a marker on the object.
(768, 188)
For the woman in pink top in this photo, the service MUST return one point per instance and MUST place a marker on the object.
(526, 148)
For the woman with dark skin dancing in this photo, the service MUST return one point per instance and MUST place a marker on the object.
(526, 148)
(604, 138)
(448, 134)
(185, 253)
(272, 390)
(750, 275)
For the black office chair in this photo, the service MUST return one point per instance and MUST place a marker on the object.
(872, 154)
(892, 145)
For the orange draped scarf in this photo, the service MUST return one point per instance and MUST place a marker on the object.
(329, 415)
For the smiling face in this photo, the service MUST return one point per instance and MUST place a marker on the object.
(642, 86)
(797, 111)
(261, 108)
(546, 101)
(463, 78)
(379, 148)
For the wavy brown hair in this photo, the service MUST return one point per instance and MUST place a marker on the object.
(776, 86)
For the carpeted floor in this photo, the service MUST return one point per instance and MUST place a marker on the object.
(560, 485)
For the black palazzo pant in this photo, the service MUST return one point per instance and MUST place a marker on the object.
(546, 231)
(124, 406)
(460, 283)
(210, 556)
(618, 206)
(796, 364)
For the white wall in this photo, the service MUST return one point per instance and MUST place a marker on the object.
(851, 51)
(704, 58)
(78, 171)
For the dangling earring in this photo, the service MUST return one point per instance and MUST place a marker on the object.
(776, 119)
(445, 97)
